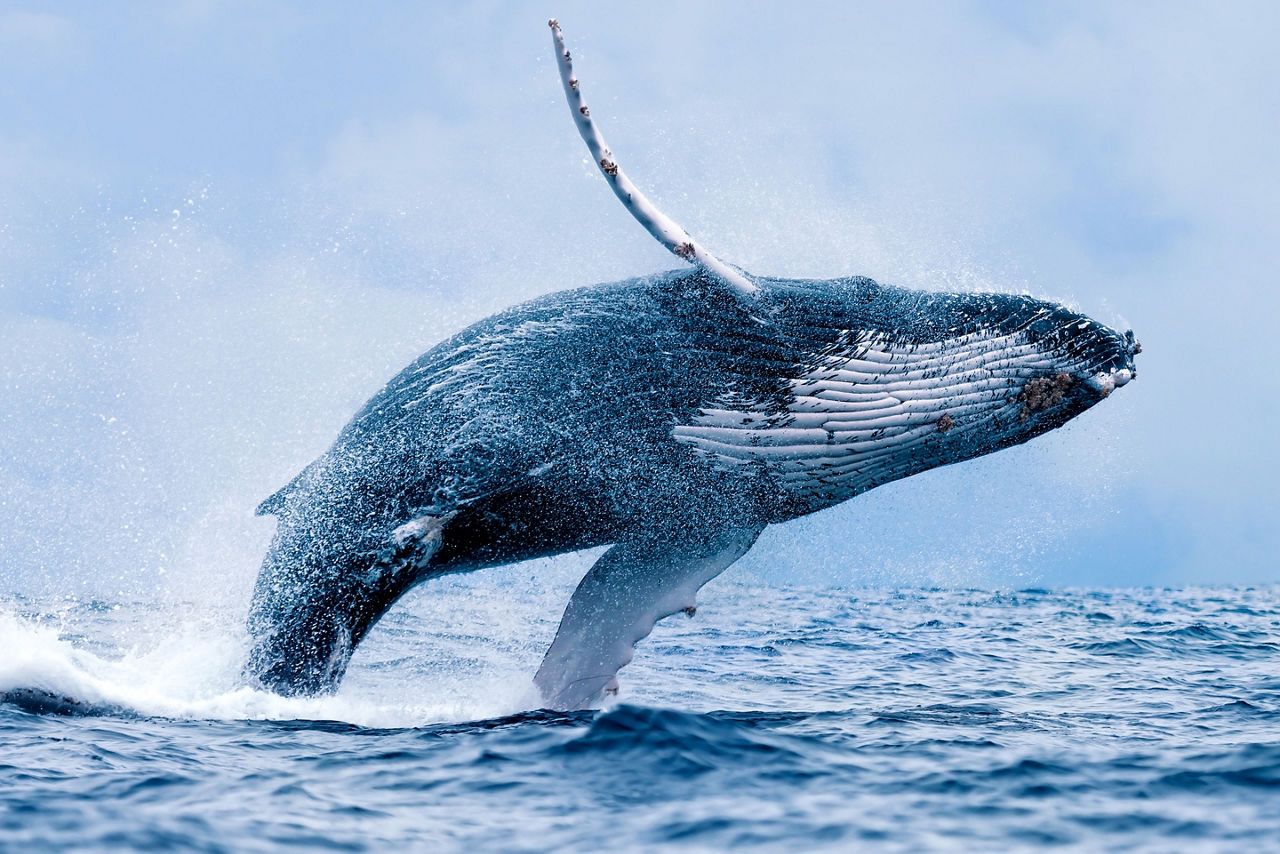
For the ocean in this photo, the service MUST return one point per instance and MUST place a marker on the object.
(778, 718)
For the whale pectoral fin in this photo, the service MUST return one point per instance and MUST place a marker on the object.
(617, 603)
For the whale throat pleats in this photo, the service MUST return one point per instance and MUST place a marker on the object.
(869, 412)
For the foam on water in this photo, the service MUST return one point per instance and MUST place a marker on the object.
(193, 672)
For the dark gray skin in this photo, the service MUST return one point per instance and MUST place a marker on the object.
(548, 428)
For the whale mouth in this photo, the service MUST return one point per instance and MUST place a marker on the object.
(1105, 382)
(1116, 368)
(1074, 388)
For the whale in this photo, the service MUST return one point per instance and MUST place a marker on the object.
(670, 418)
(665, 419)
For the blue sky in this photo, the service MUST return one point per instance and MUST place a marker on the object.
(223, 228)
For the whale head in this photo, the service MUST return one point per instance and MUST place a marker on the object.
(976, 373)
(906, 381)
(1034, 364)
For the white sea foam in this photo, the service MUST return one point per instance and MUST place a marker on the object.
(193, 673)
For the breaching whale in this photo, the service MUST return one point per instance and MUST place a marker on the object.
(671, 417)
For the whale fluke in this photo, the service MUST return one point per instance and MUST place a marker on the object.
(667, 232)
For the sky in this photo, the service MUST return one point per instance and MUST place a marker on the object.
(223, 226)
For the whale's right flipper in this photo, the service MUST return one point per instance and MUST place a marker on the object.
(617, 603)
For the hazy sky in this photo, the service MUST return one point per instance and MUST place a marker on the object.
(222, 229)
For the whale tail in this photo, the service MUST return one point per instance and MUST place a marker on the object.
(321, 589)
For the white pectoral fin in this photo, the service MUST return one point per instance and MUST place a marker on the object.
(617, 603)
(662, 227)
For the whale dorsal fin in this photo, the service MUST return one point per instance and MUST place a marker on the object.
(272, 505)
(275, 503)
(662, 227)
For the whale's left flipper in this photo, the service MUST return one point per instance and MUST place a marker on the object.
(617, 603)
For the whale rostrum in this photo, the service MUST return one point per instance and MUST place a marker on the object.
(670, 417)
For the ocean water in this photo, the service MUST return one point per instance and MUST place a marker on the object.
(776, 719)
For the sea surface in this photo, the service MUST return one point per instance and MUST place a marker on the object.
(775, 719)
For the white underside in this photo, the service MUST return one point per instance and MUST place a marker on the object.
(857, 421)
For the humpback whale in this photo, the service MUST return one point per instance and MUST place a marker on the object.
(670, 417)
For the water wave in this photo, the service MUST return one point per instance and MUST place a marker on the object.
(810, 719)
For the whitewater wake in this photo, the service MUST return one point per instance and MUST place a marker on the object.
(193, 672)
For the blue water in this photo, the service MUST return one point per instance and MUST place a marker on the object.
(776, 718)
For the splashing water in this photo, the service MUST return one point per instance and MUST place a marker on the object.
(164, 659)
